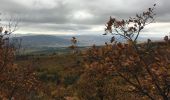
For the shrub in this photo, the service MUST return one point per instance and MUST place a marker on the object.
(144, 69)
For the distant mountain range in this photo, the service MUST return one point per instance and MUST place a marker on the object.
(38, 41)
(42, 41)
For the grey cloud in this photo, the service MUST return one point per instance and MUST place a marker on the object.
(60, 17)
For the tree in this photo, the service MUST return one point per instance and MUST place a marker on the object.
(144, 67)
(74, 46)
(16, 82)
(131, 28)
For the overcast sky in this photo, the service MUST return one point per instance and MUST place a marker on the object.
(81, 16)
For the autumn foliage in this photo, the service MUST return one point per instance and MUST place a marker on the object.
(144, 67)
(130, 29)
(115, 71)
(16, 82)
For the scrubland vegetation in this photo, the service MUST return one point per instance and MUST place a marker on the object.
(115, 71)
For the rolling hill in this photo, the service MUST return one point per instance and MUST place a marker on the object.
(59, 44)
(37, 41)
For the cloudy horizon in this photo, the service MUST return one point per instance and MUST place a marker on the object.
(81, 16)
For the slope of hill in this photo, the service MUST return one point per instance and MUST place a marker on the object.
(53, 43)
(42, 41)
(37, 41)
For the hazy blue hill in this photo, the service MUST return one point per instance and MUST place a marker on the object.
(36, 41)
(59, 43)
(43, 41)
